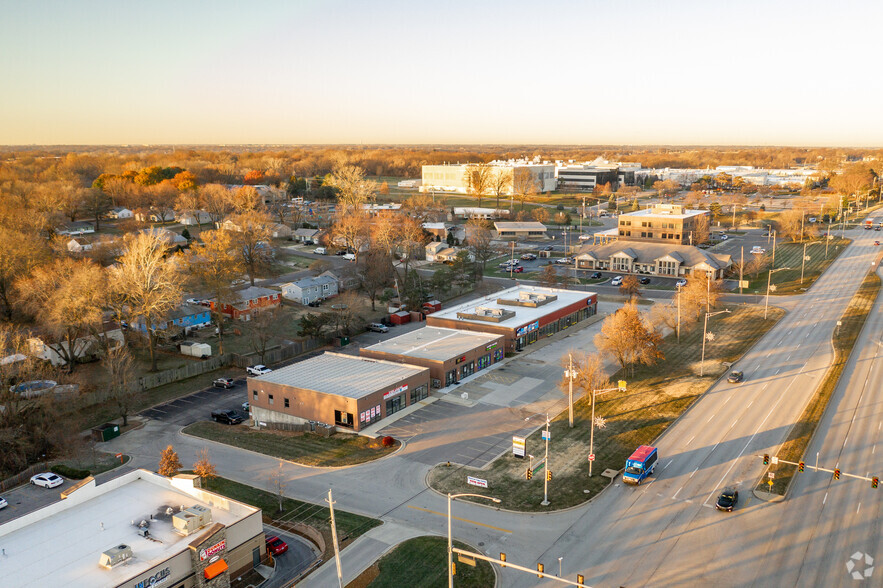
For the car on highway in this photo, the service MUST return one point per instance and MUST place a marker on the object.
(727, 500)
(735, 377)
(681, 283)
(3, 503)
(595, 276)
(47, 480)
(876, 242)
(224, 383)
(584, 237)
(617, 281)
(644, 280)
(227, 417)
(529, 257)
(276, 546)
(378, 328)
(257, 370)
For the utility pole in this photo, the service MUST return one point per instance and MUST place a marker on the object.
(803, 263)
(570, 375)
(774, 248)
(827, 238)
(512, 261)
(679, 315)
(741, 267)
(334, 539)
(545, 501)
(705, 336)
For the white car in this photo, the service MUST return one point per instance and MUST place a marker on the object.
(3, 503)
(617, 281)
(47, 480)
(245, 406)
(257, 370)
(758, 250)
(349, 256)
(681, 283)
(724, 237)
(585, 237)
(194, 301)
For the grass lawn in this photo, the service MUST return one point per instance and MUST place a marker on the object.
(656, 396)
(309, 449)
(349, 525)
(789, 255)
(422, 562)
(844, 339)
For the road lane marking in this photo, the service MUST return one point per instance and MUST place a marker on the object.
(777, 372)
(734, 423)
(709, 418)
(749, 404)
(825, 499)
(789, 358)
(765, 386)
(471, 522)
(727, 400)
(858, 508)
(694, 472)
(668, 464)
(691, 440)
(675, 497)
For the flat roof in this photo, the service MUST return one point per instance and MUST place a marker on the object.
(523, 314)
(61, 544)
(434, 343)
(342, 375)
(519, 226)
(665, 213)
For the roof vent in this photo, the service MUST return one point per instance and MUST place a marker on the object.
(115, 555)
(191, 519)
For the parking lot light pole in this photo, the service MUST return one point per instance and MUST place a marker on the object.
(704, 336)
(621, 388)
(570, 374)
(450, 539)
(769, 277)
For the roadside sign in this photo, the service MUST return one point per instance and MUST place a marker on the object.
(770, 482)
(546, 435)
(119, 455)
(743, 284)
(771, 475)
(775, 460)
(518, 444)
(476, 482)
(621, 385)
(591, 457)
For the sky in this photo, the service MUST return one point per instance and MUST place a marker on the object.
(614, 72)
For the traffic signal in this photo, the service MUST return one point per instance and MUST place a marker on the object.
(549, 475)
(580, 579)
(540, 569)
(529, 474)
(766, 459)
(503, 559)
(836, 474)
(800, 466)
(874, 481)
(453, 568)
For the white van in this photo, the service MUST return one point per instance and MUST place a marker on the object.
(320, 251)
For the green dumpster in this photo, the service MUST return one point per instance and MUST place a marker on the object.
(105, 432)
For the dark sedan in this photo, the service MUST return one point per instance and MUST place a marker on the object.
(595, 276)
(727, 500)
(735, 377)
(645, 280)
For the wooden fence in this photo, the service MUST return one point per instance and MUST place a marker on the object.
(22, 477)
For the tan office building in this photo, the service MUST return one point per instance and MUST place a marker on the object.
(663, 223)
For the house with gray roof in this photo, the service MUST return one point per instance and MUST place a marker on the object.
(307, 290)
(660, 259)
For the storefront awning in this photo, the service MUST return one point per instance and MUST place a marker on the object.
(215, 569)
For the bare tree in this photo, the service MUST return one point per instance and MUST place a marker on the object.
(701, 230)
(540, 214)
(276, 484)
(375, 273)
(121, 387)
(791, 224)
(700, 293)
(501, 182)
(148, 283)
(478, 179)
(251, 242)
(216, 200)
(479, 241)
(524, 185)
(354, 189)
(626, 337)
(589, 374)
(260, 333)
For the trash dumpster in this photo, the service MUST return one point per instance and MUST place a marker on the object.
(105, 432)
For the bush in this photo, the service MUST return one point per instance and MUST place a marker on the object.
(559, 207)
(388, 441)
(69, 472)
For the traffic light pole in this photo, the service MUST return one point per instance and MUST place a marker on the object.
(818, 469)
(545, 501)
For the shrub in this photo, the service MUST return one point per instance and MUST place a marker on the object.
(559, 207)
(69, 472)
(388, 441)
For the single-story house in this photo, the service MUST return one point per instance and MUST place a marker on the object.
(250, 300)
(186, 316)
(346, 277)
(195, 217)
(439, 230)
(279, 231)
(307, 290)
(307, 236)
(79, 245)
(148, 216)
(171, 238)
(76, 228)
(119, 213)
(513, 230)
(660, 259)
(85, 347)
(433, 248)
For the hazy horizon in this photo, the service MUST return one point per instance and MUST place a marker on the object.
(634, 74)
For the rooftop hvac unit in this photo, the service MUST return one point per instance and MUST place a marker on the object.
(191, 519)
(114, 556)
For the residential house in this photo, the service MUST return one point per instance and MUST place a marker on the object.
(171, 238)
(79, 245)
(194, 217)
(661, 259)
(441, 252)
(279, 231)
(84, 348)
(186, 316)
(248, 301)
(307, 236)
(76, 228)
(439, 230)
(347, 278)
(148, 216)
(119, 213)
(307, 290)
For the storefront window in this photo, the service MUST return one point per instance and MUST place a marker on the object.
(395, 404)
(467, 369)
(484, 361)
(419, 393)
(498, 355)
(451, 377)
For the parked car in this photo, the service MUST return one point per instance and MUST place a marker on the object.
(320, 251)
(724, 237)
(378, 328)
(227, 417)
(224, 383)
(517, 269)
(727, 500)
(246, 406)
(548, 248)
(617, 281)
(3, 503)
(758, 250)
(349, 256)
(315, 303)
(681, 283)
(258, 370)
(193, 301)
(584, 237)
(595, 276)
(341, 252)
(276, 546)
(564, 260)
(529, 256)
(47, 480)
(735, 377)
(644, 280)
(876, 242)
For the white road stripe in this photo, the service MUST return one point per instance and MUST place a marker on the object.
(858, 508)
(694, 472)
(668, 464)
(675, 497)
(825, 499)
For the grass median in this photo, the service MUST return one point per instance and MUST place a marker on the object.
(308, 449)
(422, 562)
(790, 255)
(801, 433)
(656, 396)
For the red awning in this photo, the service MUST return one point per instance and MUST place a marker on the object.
(215, 569)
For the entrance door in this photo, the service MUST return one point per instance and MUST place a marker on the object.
(394, 405)
(256, 556)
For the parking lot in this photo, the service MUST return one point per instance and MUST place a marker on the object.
(199, 406)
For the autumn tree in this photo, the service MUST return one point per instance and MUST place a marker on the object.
(700, 293)
(65, 297)
(22, 250)
(626, 336)
(253, 177)
(701, 230)
(216, 200)
(214, 265)
(169, 464)
(524, 185)
(375, 273)
(540, 214)
(95, 203)
(246, 200)
(351, 227)
(251, 242)
(147, 283)
(117, 361)
(354, 189)
(630, 287)
(479, 242)
(478, 179)
(203, 466)
(791, 224)
(549, 276)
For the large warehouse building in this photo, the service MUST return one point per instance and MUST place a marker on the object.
(136, 531)
(335, 389)
(521, 314)
(450, 354)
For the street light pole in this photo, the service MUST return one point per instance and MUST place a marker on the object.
(620, 388)
(766, 303)
(803, 263)
(450, 538)
(569, 374)
(704, 335)
(545, 501)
